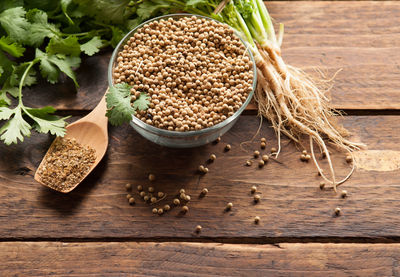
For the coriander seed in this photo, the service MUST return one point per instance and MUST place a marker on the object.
(142, 194)
(217, 140)
(155, 210)
(263, 140)
(205, 170)
(182, 191)
(160, 194)
(160, 211)
(303, 157)
(229, 206)
(128, 186)
(150, 189)
(265, 158)
(304, 152)
(248, 163)
(349, 159)
(256, 154)
(256, 219)
(153, 200)
(273, 150)
(139, 188)
(228, 147)
(152, 177)
(322, 185)
(198, 229)
(201, 168)
(176, 202)
(253, 189)
(263, 145)
(344, 193)
(131, 201)
(213, 157)
(337, 211)
(185, 209)
(167, 207)
(261, 163)
(146, 198)
(187, 198)
(307, 157)
(128, 196)
(204, 191)
(257, 198)
(182, 196)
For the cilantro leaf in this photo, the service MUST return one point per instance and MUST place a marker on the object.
(16, 128)
(67, 46)
(45, 122)
(195, 3)
(11, 47)
(8, 4)
(148, 8)
(92, 46)
(49, 71)
(16, 75)
(64, 8)
(114, 11)
(119, 108)
(63, 63)
(142, 103)
(15, 24)
(117, 35)
(40, 28)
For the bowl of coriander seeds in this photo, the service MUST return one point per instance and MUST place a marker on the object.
(197, 73)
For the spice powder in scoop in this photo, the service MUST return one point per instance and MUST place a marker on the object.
(66, 164)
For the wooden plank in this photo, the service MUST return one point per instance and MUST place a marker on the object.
(360, 37)
(292, 204)
(197, 259)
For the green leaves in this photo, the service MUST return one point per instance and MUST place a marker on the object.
(67, 46)
(92, 46)
(13, 48)
(147, 9)
(14, 23)
(40, 28)
(119, 104)
(16, 128)
(119, 107)
(45, 122)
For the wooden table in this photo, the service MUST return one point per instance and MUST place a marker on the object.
(93, 230)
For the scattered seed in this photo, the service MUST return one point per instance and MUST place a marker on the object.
(344, 193)
(151, 189)
(201, 168)
(160, 194)
(167, 207)
(182, 196)
(128, 186)
(349, 159)
(303, 157)
(176, 202)
(146, 198)
(204, 191)
(263, 145)
(185, 209)
(198, 229)
(128, 196)
(227, 147)
(152, 177)
(304, 152)
(205, 170)
(256, 219)
(261, 163)
(248, 163)
(139, 188)
(217, 140)
(131, 201)
(213, 157)
(155, 210)
(264, 140)
(187, 198)
(182, 191)
(160, 211)
(322, 185)
(229, 206)
(257, 198)
(265, 158)
(153, 200)
(273, 150)
(308, 157)
(256, 154)
(337, 211)
(142, 194)
(253, 189)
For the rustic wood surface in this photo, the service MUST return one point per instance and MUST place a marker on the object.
(292, 204)
(93, 230)
(197, 259)
(362, 38)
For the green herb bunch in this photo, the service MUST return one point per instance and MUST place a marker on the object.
(47, 38)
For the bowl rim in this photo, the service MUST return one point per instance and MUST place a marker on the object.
(168, 133)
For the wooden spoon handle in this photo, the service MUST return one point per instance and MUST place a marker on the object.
(98, 114)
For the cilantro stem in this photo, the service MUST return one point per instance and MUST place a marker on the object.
(21, 82)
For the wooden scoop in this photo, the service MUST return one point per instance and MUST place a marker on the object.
(90, 130)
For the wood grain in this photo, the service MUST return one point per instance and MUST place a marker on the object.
(195, 259)
(292, 204)
(360, 37)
